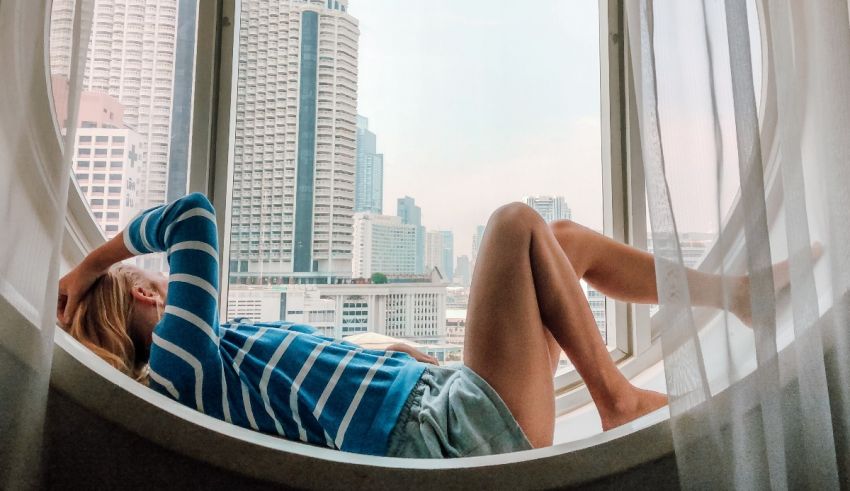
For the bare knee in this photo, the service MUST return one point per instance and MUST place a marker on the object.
(565, 230)
(514, 217)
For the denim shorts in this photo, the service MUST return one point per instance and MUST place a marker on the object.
(453, 412)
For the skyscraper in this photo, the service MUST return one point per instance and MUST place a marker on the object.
(411, 214)
(434, 251)
(551, 208)
(439, 252)
(463, 273)
(105, 162)
(131, 57)
(476, 242)
(369, 175)
(383, 244)
(448, 255)
(295, 142)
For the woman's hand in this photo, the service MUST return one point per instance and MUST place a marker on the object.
(72, 287)
(75, 284)
(415, 353)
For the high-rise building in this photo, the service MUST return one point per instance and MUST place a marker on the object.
(439, 252)
(412, 215)
(463, 272)
(476, 242)
(551, 208)
(369, 175)
(434, 251)
(295, 142)
(448, 255)
(131, 57)
(105, 161)
(383, 244)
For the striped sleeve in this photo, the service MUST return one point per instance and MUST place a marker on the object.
(185, 353)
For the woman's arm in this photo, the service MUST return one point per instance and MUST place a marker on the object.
(76, 283)
(185, 355)
(186, 231)
(415, 353)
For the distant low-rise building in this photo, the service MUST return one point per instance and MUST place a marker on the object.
(455, 326)
(414, 310)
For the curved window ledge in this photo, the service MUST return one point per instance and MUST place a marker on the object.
(90, 382)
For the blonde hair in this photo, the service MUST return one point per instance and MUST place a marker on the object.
(103, 318)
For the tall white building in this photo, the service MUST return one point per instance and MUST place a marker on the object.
(295, 142)
(434, 251)
(131, 57)
(106, 162)
(383, 244)
(551, 208)
(439, 252)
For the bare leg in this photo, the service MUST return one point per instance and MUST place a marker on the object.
(626, 273)
(524, 285)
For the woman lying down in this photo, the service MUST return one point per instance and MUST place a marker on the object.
(525, 307)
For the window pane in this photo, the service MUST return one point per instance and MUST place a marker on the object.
(369, 152)
(137, 90)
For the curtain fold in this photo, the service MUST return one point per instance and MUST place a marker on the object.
(34, 177)
(756, 97)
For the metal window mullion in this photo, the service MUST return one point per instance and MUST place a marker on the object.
(213, 120)
(615, 183)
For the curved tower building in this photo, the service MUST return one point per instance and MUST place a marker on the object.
(295, 142)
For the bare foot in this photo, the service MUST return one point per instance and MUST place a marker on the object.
(631, 406)
(739, 303)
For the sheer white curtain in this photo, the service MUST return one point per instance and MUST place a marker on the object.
(34, 178)
(744, 112)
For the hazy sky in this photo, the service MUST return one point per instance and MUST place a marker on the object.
(478, 103)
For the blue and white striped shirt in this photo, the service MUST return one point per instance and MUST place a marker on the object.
(276, 377)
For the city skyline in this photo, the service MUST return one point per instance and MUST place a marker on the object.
(131, 57)
(300, 141)
(510, 126)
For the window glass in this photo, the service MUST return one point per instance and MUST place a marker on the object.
(368, 153)
(136, 97)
